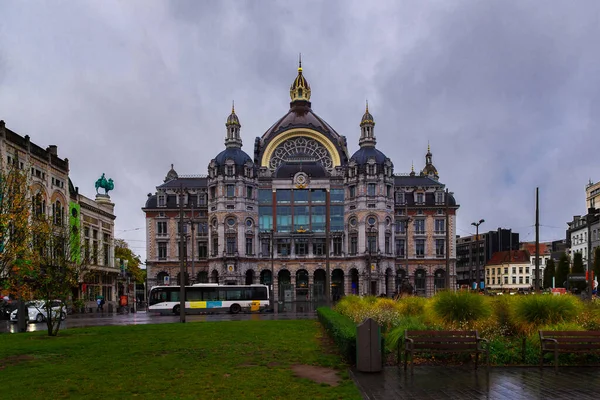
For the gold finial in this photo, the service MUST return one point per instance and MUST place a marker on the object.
(299, 62)
(428, 147)
(233, 106)
(367, 106)
(412, 168)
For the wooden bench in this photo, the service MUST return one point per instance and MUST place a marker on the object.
(435, 342)
(568, 342)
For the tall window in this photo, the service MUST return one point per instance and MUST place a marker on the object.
(162, 250)
(439, 198)
(440, 226)
(283, 247)
(58, 212)
(265, 247)
(284, 218)
(352, 192)
(162, 202)
(400, 247)
(106, 249)
(401, 226)
(179, 228)
(181, 250)
(337, 246)
(353, 244)
(388, 244)
(419, 226)
(301, 245)
(202, 250)
(215, 245)
(231, 245)
(230, 191)
(249, 246)
(420, 247)
(440, 247)
(372, 243)
(249, 192)
(161, 228)
(371, 189)
(420, 198)
(400, 198)
(319, 247)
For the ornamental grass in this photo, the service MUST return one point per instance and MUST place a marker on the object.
(532, 312)
(453, 307)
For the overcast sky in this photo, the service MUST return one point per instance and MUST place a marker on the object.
(506, 92)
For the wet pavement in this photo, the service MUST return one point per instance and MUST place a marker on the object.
(466, 383)
(140, 318)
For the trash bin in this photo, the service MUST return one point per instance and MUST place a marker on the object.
(369, 346)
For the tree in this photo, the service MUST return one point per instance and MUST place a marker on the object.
(578, 269)
(549, 272)
(15, 232)
(57, 265)
(123, 252)
(562, 271)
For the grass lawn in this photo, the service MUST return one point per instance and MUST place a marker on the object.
(201, 360)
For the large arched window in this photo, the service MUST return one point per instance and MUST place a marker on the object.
(420, 282)
(440, 279)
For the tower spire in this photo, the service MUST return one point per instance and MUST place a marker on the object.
(300, 89)
(233, 139)
(299, 62)
(367, 128)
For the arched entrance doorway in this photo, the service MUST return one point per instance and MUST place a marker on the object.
(214, 277)
(162, 278)
(318, 293)
(420, 277)
(302, 291)
(265, 277)
(337, 284)
(249, 277)
(285, 290)
(403, 285)
(354, 281)
(202, 277)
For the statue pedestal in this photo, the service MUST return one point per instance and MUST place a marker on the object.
(104, 200)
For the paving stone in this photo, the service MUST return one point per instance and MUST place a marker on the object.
(463, 383)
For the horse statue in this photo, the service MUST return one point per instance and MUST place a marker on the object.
(105, 184)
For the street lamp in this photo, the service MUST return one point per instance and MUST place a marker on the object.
(476, 225)
(272, 297)
(589, 218)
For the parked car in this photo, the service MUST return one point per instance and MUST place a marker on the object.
(36, 311)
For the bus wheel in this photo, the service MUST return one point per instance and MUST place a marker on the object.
(176, 310)
(235, 308)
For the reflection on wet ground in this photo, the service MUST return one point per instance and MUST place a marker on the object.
(466, 383)
(139, 318)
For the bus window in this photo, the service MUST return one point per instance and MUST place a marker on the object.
(209, 294)
(234, 294)
(259, 293)
(193, 294)
(158, 296)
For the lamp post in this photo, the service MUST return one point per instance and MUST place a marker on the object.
(476, 225)
(272, 297)
(369, 252)
(589, 219)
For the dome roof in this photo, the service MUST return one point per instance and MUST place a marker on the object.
(300, 116)
(365, 153)
(236, 154)
(233, 118)
(367, 118)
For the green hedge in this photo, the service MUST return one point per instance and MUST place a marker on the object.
(342, 330)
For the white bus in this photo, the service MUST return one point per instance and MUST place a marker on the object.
(209, 297)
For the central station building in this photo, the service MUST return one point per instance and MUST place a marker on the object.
(300, 206)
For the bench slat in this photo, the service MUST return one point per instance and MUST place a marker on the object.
(572, 346)
(550, 334)
(444, 339)
(593, 339)
(440, 333)
(446, 346)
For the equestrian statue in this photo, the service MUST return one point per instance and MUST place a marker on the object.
(105, 184)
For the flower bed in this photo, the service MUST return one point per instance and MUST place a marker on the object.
(510, 323)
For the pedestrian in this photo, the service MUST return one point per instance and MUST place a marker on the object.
(99, 302)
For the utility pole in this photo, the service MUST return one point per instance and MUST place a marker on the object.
(327, 271)
(447, 243)
(193, 240)
(537, 240)
(181, 259)
(477, 278)
(272, 297)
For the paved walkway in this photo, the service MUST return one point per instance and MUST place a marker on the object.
(508, 383)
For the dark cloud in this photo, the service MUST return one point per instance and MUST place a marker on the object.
(506, 92)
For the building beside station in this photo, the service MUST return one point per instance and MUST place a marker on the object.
(301, 205)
